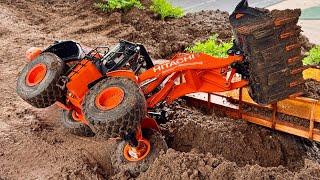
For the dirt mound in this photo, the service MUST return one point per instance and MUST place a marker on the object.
(236, 140)
(194, 165)
(312, 89)
(39, 148)
(163, 38)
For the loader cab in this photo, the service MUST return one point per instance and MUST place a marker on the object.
(67, 50)
(125, 55)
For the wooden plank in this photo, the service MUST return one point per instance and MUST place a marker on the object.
(278, 125)
(282, 126)
(292, 129)
(316, 135)
(257, 120)
(300, 107)
(312, 73)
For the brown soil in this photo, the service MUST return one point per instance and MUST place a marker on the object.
(312, 89)
(195, 165)
(163, 38)
(236, 140)
(33, 145)
(306, 45)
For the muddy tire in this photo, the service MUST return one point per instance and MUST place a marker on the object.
(121, 164)
(73, 126)
(120, 120)
(270, 41)
(43, 93)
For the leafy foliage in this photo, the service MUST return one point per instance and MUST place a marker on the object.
(211, 47)
(313, 56)
(111, 5)
(165, 10)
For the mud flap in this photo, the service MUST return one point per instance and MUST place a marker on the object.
(270, 43)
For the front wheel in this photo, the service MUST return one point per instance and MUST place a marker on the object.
(37, 81)
(122, 162)
(73, 126)
(115, 107)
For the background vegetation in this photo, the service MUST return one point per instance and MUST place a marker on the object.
(165, 9)
(313, 56)
(112, 5)
(211, 47)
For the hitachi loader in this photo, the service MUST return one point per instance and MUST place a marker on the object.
(111, 93)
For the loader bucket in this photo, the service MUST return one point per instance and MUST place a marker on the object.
(269, 40)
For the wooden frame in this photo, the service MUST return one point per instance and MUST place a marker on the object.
(306, 109)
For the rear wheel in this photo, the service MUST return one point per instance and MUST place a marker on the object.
(123, 162)
(114, 107)
(73, 126)
(37, 81)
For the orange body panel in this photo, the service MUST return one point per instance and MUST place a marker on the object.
(85, 73)
(123, 73)
(33, 53)
(149, 123)
(188, 61)
(201, 73)
(186, 73)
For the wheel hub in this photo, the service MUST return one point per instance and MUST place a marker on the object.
(137, 153)
(36, 74)
(109, 98)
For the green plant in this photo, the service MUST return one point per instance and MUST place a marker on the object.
(111, 5)
(211, 47)
(313, 56)
(165, 10)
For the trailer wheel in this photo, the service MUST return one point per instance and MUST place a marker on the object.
(114, 107)
(73, 126)
(36, 82)
(121, 164)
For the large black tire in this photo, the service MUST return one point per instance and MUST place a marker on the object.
(121, 120)
(46, 92)
(73, 126)
(121, 164)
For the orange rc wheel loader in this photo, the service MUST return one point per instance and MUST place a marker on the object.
(112, 92)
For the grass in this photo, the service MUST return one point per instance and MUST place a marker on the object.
(112, 5)
(313, 56)
(165, 10)
(211, 47)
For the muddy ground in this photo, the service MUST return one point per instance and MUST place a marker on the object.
(33, 145)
